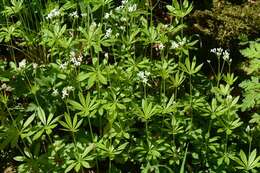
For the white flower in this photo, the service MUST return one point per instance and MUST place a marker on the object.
(64, 66)
(34, 65)
(107, 15)
(132, 8)
(174, 45)
(106, 55)
(54, 13)
(217, 51)
(94, 24)
(147, 73)
(74, 14)
(248, 129)
(55, 92)
(70, 88)
(122, 28)
(108, 33)
(6, 87)
(123, 19)
(226, 55)
(229, 97)
(117, 34)
(22, 64)
(161, 46)
(119, 8)
(124, 2)
(66, 91)
(74, 59)
(208, 61)
(213, 50)
(143, 75)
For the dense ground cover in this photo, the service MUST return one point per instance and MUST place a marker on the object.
(105, 86)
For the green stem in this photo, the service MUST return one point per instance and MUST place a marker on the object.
(226, 145)
(90, 128)
(109, 165)
(191, 113)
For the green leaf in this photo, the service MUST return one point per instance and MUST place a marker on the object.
(81, 77)
(29, 120)
(38, 134)
(19, 158)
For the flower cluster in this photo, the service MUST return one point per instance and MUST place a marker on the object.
(54, 13)
(76, 61)
(5, 87)
(66, 91)
(219, 51)
(74, 14)
(143, 75)
(159, 47)
(107, 15)
(55, 92)
(108, 33)
(132, 8)
(64, 65)
(176, 45)
(22, 64)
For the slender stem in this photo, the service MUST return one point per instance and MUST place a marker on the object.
(90, 128)
(146, 129)
(145, 91)
(109, 165)
(226, 145)
(218, 76)
(191, 113)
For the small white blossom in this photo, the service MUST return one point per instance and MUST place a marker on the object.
(117, 34)
(213, 50)
(161, 46)
(124, 2)
(208, 61)
(54, 13)
(106, 55)
(108, 33)
(229, 97)
(226, 55)
(132, 8)
(63, 66)
(70, 88)
(107, 15)
(248, 129)
(34, 65)
(5, 87)
(147, 73)
(66, 91)
(22, 64)
(119, 8)
(217, 51)
(55, 92)
(74, 59)
(143, 75)
(174, 45)
(123, 19)
(74, 14)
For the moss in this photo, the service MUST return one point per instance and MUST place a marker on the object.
(226, 22)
